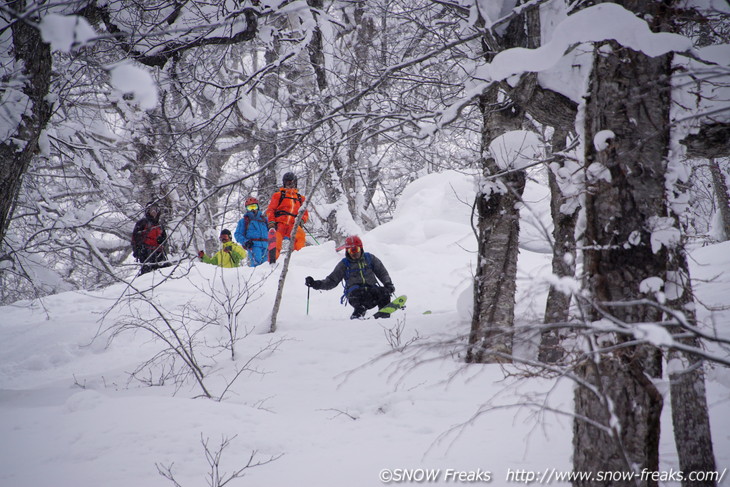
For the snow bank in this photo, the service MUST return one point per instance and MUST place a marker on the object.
(331, 397)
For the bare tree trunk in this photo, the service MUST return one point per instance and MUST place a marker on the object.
(690, 416)
(625, 204)
(267, 139)
(617, 417)
(563, 265)
(623, 400)
(333, 194)
(499, 227)
(18, 150)
(495, 282)
(316, 49)
(618, 393)
(267, 182)
(349, 162)
(719, 182)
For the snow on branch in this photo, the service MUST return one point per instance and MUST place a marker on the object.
(607, 21)
(65, 32)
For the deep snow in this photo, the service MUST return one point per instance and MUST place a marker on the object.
(330, 397)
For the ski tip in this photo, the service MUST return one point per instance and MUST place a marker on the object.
(427, 312)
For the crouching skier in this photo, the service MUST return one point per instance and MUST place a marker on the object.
(359, 272)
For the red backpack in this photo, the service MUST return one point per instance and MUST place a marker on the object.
(152, 234)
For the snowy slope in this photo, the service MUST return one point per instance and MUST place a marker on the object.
(328, 396)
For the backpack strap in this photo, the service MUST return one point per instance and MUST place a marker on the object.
(348, 264)
(350, 269)
(257, 217)
(261, 217)
(282, 195)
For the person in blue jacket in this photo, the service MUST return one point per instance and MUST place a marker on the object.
(252, 232)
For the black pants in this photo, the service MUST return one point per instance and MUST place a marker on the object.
(364, 298)
(151, 260)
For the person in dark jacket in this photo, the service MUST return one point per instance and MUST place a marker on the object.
(149, 240)
(360, 272)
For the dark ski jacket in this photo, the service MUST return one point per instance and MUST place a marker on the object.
(148, 237)
(365, 271)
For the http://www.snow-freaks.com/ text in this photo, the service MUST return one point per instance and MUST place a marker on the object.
(545, 477)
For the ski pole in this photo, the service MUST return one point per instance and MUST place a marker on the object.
(310, 234)
(308, 289)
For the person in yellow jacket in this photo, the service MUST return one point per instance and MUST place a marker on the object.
(230, 255)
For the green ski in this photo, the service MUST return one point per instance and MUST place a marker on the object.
(393, 306)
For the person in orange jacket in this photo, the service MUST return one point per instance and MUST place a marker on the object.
(282, 211)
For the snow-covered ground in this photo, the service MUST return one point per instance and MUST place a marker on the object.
(328, 399)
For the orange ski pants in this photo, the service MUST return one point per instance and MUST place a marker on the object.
(284, 231)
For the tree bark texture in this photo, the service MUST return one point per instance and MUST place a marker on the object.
(626, 404)
(690, 416)
(712, 141)
(557, 306)
(350, 166)
(719, 182)
(34, 57)
(630, 96)
(495, 282)
(545, 106)
(268, 143)
(499, 228)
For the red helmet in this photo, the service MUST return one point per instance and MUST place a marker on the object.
(251, 201)
(351, 242)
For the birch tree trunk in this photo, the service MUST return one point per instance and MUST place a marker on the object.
(351, 160)
(34, 57)
(690, 416)
(617, 413)
(719, 182)
(563, 263)
(495, 282)
(267, 139)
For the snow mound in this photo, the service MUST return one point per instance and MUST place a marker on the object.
(335, 401)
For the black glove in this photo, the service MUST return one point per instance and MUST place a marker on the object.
(390, 288)
(160, 239)
(248, 244)
(310, 282)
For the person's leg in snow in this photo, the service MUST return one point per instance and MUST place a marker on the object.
(365, 298)
(358, 312)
